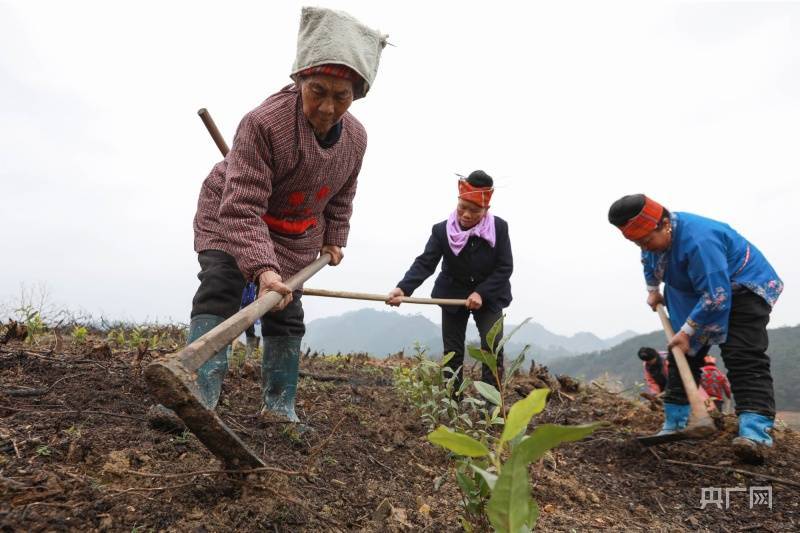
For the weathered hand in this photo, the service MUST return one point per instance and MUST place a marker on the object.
(272, 281)
(654, 298)
(395, 297)
(474, 301)
(680, 340)
(335, 251)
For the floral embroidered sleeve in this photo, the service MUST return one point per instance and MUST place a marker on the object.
(650, 275)
(708, 270)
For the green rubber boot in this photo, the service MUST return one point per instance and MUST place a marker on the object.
(211, 374)
(280, 366)
(209, 378)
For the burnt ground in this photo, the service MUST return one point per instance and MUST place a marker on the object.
(76, 453)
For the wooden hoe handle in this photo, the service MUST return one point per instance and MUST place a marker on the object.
(699, 414)
(205, 116)
(381, 297)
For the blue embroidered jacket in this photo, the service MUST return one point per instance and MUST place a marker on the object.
(707, 262)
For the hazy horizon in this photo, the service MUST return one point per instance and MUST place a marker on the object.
(568, 105)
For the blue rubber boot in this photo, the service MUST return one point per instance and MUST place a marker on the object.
(211, 374)
(280, 367)
(754, 439)
(676, 417)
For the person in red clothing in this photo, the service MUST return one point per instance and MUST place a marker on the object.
(714, 383)
(654, 366)
(281, 197)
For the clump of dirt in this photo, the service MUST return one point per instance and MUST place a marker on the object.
(13, 330)
(609, 481)
(77, 453)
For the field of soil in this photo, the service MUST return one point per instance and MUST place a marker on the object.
(790, 418)
(77, 454)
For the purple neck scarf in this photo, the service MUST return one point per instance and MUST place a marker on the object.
(457, 237)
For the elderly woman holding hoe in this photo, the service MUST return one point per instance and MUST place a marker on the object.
(282, 196)
(477, 265)
(719, 289)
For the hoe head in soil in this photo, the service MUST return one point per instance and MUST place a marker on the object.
(172, 379)
(699, 430)
(175, 387)
(700, 424)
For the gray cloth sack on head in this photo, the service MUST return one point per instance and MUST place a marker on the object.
(327, 36)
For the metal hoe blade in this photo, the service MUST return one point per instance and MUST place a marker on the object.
(698, 431)
(176, 388)
(172, 379)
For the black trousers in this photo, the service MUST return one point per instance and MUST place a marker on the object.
(454, 331)
(745, 356)
(220, 294)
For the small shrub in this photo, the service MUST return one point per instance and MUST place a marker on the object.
(43, 451)
(136, 337)
(116, 336)
(34, 324)
(79, 334)
(74, 432)
(491, 466)
(430, 386)
(183, 438)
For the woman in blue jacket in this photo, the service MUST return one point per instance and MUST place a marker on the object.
(719, 289)
(476, 259)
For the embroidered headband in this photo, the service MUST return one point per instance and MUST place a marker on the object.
(646, 221)
(477, 195)
(331, 69)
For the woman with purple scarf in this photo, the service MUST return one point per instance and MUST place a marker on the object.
(476, 266)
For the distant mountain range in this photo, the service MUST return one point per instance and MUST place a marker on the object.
(381, 333)
(583, 355)
(619, 365)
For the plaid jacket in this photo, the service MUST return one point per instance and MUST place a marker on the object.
(276, 173)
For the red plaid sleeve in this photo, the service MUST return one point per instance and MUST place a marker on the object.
(338, 211)
(340, 207)
(248, 185)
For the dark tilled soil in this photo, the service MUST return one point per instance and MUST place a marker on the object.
(77, 453)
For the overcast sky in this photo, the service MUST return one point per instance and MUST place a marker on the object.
(568, 105)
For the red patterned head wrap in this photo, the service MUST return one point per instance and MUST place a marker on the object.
(646, 221)
(331, 69)
(477, 195)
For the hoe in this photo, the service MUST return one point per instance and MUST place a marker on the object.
(172, 378)
(700, 424)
